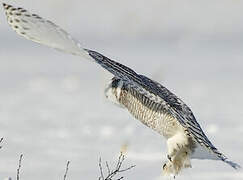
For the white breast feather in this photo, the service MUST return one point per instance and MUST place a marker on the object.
(113, 94)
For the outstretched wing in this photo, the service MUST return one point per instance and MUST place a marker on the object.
(40, 30)
(37, 29)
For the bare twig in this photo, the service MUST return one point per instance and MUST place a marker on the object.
(107, 167)
(101, 170)
(1, 140)
(112, 173)
(20, 163)
(66, 171)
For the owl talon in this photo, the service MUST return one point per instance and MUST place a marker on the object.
(164, 166)
(170, 159)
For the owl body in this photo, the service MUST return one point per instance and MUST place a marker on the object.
(142, 108)
(180, 144)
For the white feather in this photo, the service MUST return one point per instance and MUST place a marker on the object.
(40, 30)
(113, 94)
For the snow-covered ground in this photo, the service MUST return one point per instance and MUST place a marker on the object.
(52, 107)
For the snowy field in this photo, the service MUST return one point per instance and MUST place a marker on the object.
(52, 107)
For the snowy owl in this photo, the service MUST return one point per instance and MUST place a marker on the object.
(147, 100)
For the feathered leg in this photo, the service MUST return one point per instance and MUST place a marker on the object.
(179, 151)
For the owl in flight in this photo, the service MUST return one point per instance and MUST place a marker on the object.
(147, 100)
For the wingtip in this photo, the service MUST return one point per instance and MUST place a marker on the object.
(237, 166)
(233, 164)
